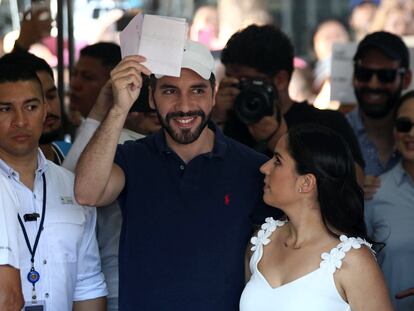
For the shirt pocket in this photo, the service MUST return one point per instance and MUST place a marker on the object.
(65, 228)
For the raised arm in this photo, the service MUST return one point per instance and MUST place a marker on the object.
(98, 180)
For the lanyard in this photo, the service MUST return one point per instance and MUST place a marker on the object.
(33, 276)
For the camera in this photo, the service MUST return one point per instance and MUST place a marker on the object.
(255, 100)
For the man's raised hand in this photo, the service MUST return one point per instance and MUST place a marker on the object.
(127, 81)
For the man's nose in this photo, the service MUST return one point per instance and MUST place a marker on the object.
(19, 119)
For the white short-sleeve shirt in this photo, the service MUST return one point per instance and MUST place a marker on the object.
(67, 256)
(109, 217)
(9, 245)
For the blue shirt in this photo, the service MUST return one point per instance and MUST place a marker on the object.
(186, 226)
(390, 219)
(373, 165)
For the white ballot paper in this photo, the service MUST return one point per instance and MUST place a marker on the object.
(160, 39)
(342, 68)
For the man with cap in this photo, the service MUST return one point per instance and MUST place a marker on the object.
(186, 193)
(381, 72)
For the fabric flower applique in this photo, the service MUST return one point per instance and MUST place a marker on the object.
(333, 259)
(348, 243)
(267, 229)
(270, 224)
(262, 238)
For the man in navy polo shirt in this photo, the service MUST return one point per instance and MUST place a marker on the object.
(186, 193)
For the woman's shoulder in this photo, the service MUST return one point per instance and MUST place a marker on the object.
(344, 252)
(361, 277)
(358, 258)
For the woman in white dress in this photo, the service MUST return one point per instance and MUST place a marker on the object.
(318, 258)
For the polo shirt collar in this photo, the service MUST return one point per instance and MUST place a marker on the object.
(219, 149)
(400, 174)
(42, 166)
(357, 121)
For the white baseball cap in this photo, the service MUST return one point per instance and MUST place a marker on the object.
(198, 58)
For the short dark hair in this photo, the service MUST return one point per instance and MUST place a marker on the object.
(107, 52)
(28, 60)
(322, 152)
(12, 72)
(264, 48)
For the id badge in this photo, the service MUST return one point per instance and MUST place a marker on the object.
(37, 306)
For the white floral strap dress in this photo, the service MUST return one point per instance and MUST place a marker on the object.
(315, 291)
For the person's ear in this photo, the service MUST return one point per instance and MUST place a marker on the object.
(151, 101)
(406, 79)
(307, 183)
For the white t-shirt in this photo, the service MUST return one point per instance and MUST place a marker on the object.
(9, 245)
(109, 217)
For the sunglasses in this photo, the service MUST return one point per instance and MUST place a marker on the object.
(403, 125)
(364, 74)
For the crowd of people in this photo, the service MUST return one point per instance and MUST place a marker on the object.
(214, 190)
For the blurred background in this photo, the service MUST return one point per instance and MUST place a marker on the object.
(314, 26)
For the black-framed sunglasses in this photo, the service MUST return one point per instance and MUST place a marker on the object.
(365, 74)
(403, 124)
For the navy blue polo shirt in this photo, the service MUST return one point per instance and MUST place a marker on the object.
(185, 226)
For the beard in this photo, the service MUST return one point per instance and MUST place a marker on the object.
(47, 138)
(377, 110)
(185, 136)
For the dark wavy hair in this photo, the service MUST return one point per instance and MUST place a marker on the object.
(322, 152)
(107, 52)
(264, 48)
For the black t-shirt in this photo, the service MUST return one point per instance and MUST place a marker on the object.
(300, 113)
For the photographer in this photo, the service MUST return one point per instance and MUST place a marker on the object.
(254, 58)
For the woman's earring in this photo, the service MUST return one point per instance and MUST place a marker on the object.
(300, 189)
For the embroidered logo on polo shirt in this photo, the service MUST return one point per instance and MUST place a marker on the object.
(227, 199)
(66, 200)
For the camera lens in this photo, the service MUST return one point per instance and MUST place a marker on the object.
(254, 101)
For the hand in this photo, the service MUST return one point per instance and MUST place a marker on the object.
(371, 185)
(127, 81)
(225, 98)
(405, 293)
(263, 129)
(268, 129)
(34, 27)
(103, 103)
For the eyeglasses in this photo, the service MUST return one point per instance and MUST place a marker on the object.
(364, 74)
(403, 125)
